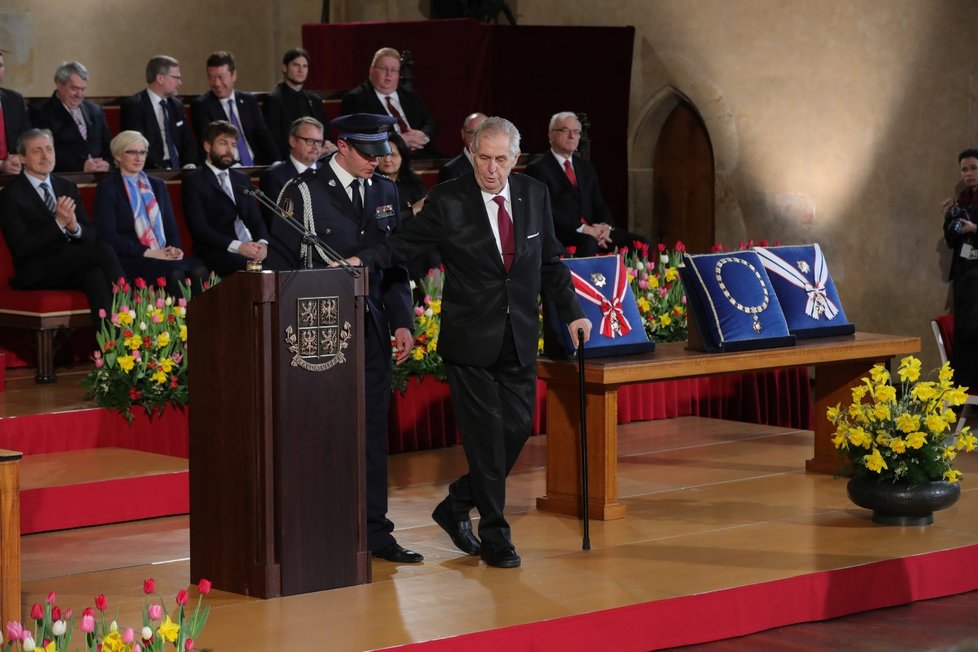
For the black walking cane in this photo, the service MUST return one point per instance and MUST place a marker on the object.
(586, 544)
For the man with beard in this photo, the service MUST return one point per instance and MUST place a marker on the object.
(227, 228)
(289, 102)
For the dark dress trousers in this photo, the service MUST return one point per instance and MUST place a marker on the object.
(455, 168)
(45, 258)
(271, 183)
(389, 305)
(15, 117)
(283, 106)
(70, 148)
(363, 99)
(210, 214)
(138, 114)
(490, 325)
(964, 279)
(207, 108)
(117, 228)
(571, 205)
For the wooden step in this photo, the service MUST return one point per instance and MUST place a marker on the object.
(99, 486)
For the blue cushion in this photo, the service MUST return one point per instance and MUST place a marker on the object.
(616, 325)
(800, 277)
(731, 303)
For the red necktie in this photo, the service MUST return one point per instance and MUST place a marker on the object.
(570, 173)
(401, 125)
(506, 240)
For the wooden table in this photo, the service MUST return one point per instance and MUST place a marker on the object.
(840, 363)
(9, 535)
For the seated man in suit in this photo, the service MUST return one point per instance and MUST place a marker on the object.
(582, 219)
(226, 226)
(381, 94)
(157, 113)
(305, 147)
(81, 134)
(13, 122)
(462, 164)
(49, 236)
(222, 102)
(289, 102)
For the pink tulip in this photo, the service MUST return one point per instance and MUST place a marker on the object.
(182, 302)
(155, 612)
(149, 586)
(188, 644)
(128, 636)
(68, 614)
(204, 586)
(99, 363)
(418, 311)
(14, 630)
(51, 598)
(101, 313)
(159, 302)
(88, 623)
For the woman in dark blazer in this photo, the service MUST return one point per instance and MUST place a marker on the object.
(134, 215)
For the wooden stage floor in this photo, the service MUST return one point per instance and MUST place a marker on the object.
(712, 505)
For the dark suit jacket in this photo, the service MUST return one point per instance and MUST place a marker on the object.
(207, 108)
(363, 99)
(210, 214)
(281, 108)
(479, 294)
(70, 148)
(115, 223)
(15, 118)
(272, 181)
(139, 114)
(389, 296)
(32, 235)
(570, 204)
(455, 168)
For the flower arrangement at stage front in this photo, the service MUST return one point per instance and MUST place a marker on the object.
(657, 289)
(903, 436)
(53, 629)
(142, 354)
(424, 358)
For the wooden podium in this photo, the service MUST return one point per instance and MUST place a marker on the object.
(276, 421)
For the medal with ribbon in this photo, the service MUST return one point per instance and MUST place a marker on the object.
(818, 303)
(613, 321)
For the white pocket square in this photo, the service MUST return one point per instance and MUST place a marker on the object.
(533, 236)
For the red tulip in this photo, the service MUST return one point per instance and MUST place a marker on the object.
(55, 612)
(68, 614)
(140, 283)
(101, 602)
(51, 597)
(161, 282)
(149, 586)
(204, 586)
(37, 613)
(182, 597)
(88, 612)
(134, 395)
(188, 644)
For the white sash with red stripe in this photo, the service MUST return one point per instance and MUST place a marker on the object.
(818, 302)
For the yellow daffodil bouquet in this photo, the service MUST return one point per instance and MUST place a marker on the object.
(424, 358)
(904, 436)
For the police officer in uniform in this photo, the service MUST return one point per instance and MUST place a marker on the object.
(352, 209)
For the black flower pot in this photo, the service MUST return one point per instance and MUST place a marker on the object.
(901, 504)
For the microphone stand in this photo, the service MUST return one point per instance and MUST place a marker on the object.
(309, 239)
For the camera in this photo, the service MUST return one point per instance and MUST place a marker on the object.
(957, 214)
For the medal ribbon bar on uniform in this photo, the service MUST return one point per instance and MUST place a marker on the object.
(818, 301)
(611, 309)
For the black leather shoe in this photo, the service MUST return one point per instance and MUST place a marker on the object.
(459, 531)
(501, 556)
(395, 553)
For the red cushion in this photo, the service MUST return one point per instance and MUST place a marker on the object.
(945, 324)
(42, 301)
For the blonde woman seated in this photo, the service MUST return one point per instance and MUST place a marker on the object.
(134, 215)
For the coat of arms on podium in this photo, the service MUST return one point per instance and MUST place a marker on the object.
(319, 341)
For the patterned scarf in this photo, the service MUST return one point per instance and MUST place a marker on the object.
(145, 211)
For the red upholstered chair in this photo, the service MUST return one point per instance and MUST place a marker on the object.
(44, 311)
(943, 328)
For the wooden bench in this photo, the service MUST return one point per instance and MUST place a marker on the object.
(839, 364)
(9, 535)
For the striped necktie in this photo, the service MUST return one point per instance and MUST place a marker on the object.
(49, 197)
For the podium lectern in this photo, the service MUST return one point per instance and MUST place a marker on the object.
(276, 421)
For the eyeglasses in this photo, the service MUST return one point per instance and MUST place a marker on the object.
(311, 142)
(177, 77)
(135, 152)
(568, 130)
(393, 71)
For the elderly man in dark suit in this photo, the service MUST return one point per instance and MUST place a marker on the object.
(44, 223)
(305, 147)
(382, 94)
(226, 226)
(582, 219)
(351, 207)
(13, 122)
(495, 234)
(81, 134)
(462, 164)
(157, 113)
(290, 101)
(222, 102)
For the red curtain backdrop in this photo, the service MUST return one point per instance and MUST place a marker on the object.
(523, 73)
